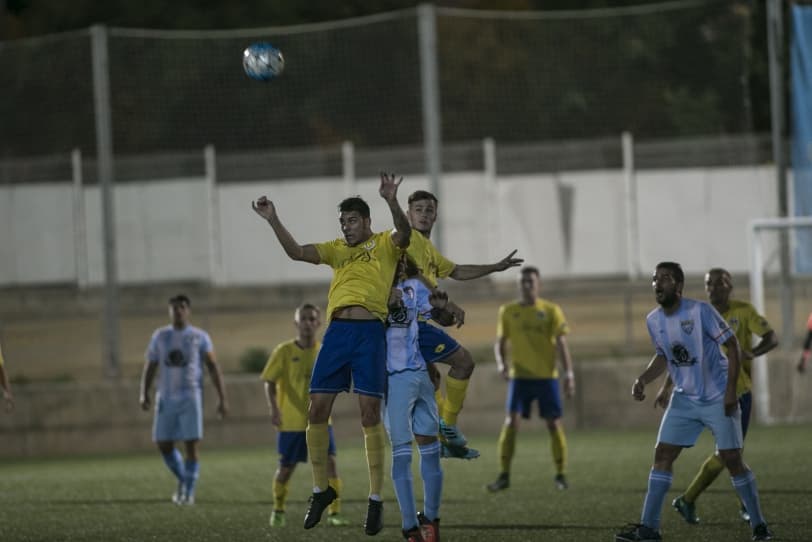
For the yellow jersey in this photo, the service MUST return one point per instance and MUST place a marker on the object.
(362, 274)
(745, 321)
(431, 263)
(532, 331)
(289, 367)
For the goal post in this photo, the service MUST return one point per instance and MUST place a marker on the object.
(755, 228)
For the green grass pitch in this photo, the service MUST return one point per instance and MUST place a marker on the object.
(127, 498)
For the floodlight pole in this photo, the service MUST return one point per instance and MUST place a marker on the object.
(775, 42)
(104, 164)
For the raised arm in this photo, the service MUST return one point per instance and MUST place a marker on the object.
(389, 191)
(474, 271)
(303, 253)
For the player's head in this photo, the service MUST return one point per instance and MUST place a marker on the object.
(179, 309)
(529, 283)
(718, 285)
(422, 211)
(667, 281)
(354, 220)
(307, 319)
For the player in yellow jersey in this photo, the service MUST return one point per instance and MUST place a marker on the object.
(807, 345)
(287, 378)
(745, 322)
(435, 344)
(8, 397)
(535, 329)
(354, 347)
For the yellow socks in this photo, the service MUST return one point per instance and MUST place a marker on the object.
(455, 390)
(506, 447)
(317, 440)
(374, 443)
(280, 494)
(558, 444)
(708, 472)
(335, 506)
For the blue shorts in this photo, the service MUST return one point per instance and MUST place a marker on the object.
(435, 344)
(746, 406)
(178, 419)
(410, 407)
(523, 391)
(684, 420)
(352, 352)
(292, 446)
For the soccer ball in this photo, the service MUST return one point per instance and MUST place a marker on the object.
(262, 61)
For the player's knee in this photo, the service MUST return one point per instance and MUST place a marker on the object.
(733, 461)
(462, 364)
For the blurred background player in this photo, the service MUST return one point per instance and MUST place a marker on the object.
(806, 347)
(411, 410)
(435, 344)
(8, 397)
(535, 329)
(287, 379)
(686, 335)
(745, 322)
(181, 350)
(354, 346)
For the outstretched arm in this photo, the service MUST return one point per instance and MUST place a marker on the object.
(304, 253)
(389, 191)
(474, 271)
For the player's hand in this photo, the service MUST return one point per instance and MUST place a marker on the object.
(662, 399)
(222, 409)
(503, 371)
(801, 365)
(264, 208)
(439, 299)
(144, 400)
(638, 390)
(747, 355)
(459, 314)
(731, 404)
(276, 419)
(569, 386)
(389, 186)
(8, 399)
(509, 261)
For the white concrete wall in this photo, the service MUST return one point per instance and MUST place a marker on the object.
(695, 216)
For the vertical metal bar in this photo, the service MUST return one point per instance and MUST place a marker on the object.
(79, 220)
(104, 160)
(632, 235)
(489, 163)
(775, 42)
(213, 217)
(430, 93)
(348, 168)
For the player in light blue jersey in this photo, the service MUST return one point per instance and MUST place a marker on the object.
(181, 350)
(411, 409)
(687, 335)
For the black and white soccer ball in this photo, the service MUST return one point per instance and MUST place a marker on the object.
(262, 61)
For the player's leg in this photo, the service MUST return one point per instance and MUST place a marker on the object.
(174, 462)
(292, 449)
(548, 394)
(331, 375)
(164, 433)
(334, 516)
(400, 403)
(727, 430)
(369, 382)
(192, 468)
(190, 420)
(425, 423)
(516, 404)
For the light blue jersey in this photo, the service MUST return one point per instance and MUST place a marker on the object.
(180, 353)
(402, 348)
(690, 340)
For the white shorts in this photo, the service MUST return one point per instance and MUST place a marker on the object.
(685, 419)
(178, 419)
(410, 407)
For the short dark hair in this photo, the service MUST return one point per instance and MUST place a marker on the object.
(354, 203)
(307, 307)
(675, 268)
(180, 298)
(419, 195)
(529, 269)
